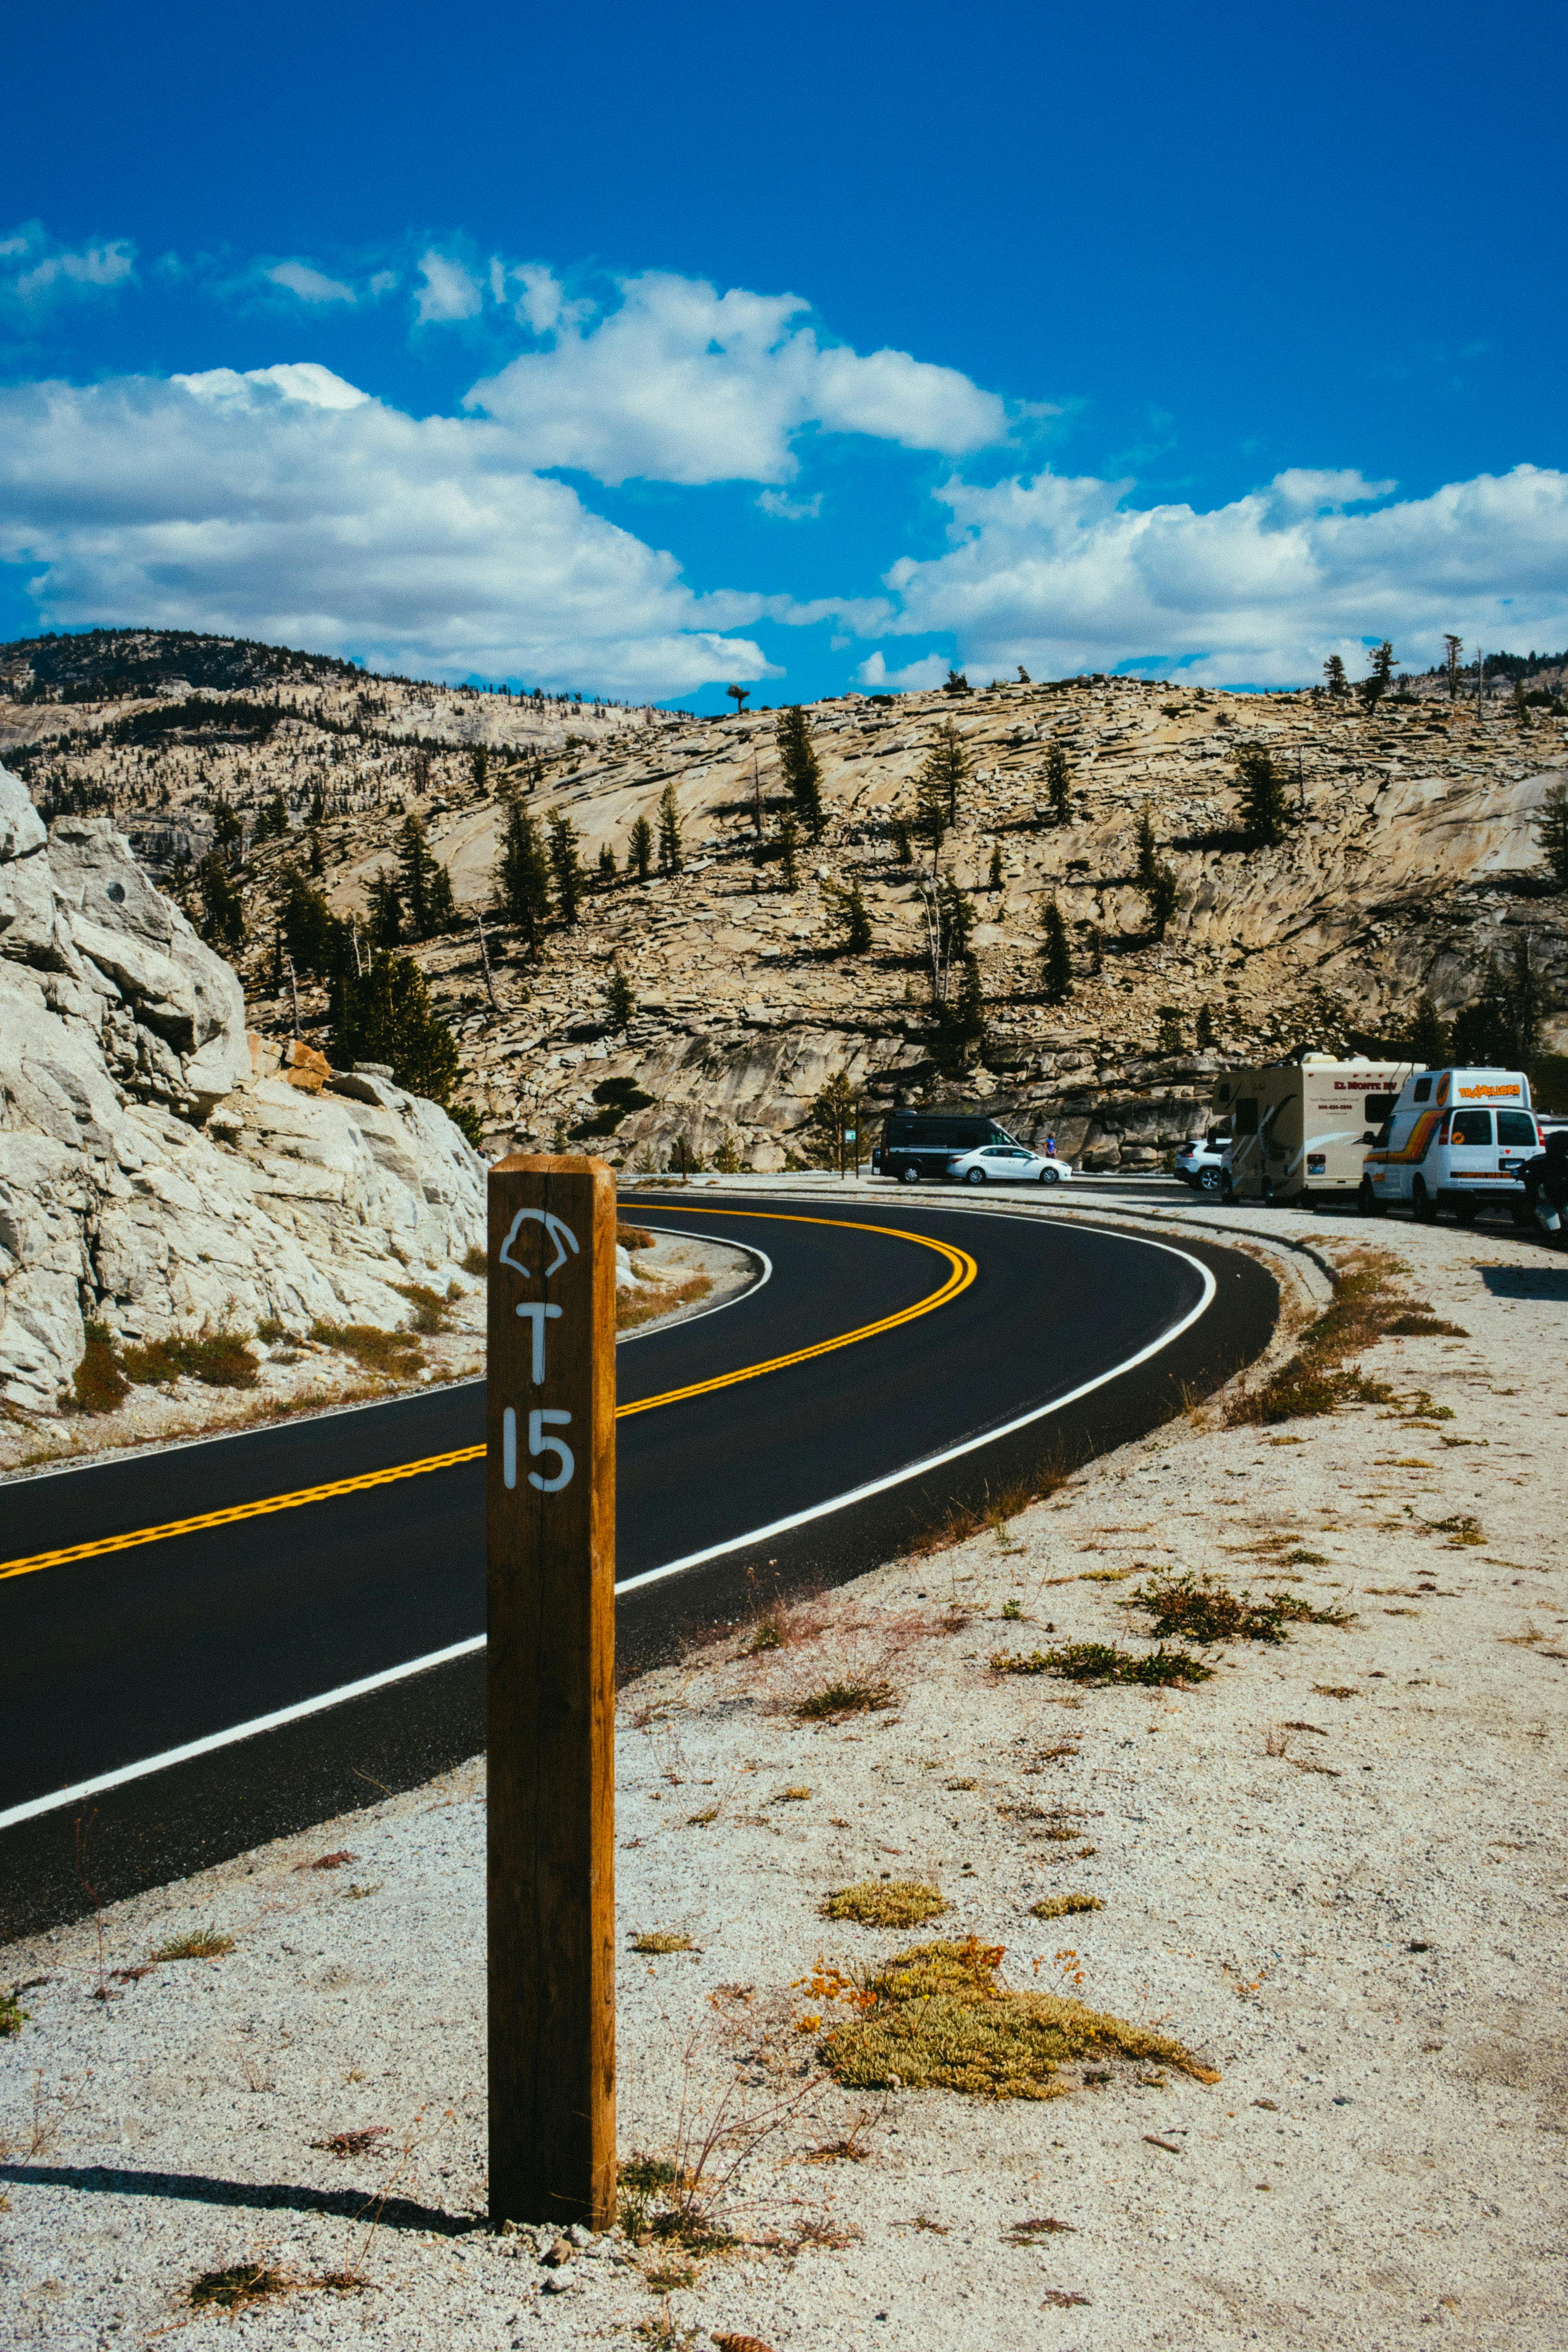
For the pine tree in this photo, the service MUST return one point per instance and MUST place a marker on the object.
(800, 767)
(223, 909)
(385, 1015)
(903, 848)
(385, 917)
(229, 833)
(1379, 679)
(945, 773)
(639, 849)
(1169, 1042)
(1334, 671)
(1024, 678)
(522, 877)
(993, 880)
(1453, 647)
(565, 865)
(1429, 1035)
(620, 1004)
(965, 1022)
(1057, 955)
(1148, 855)
(312, 935)
(1059, 784)
(739, 696)
(317, 853)
(424, 886)
(669, 857)
(849, 912)
(833, 1111)
(930, 814)
(955, 683)
(1163, 889)
(788, 843)
(481, 766)
(1204, 1036)
(1265, 809)
(1553, 836)
(272, 822)
(606, 866)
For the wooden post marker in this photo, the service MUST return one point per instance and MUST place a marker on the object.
(549, 1487)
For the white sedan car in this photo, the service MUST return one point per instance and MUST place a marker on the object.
(1007, 1163)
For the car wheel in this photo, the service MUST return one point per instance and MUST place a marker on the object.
(909, 1173)
(1367, 1199)
(1208, 1181)
(974, 1176)
(1465, 1209)
(1050, 1176)
(1422, 1206)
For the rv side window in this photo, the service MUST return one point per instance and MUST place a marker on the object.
(1472, 1127)
(1246, 1114)
(1423, 1089)
(1515, 1127)
(1378, 1108)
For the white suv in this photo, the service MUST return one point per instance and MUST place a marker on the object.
(1199, 1161)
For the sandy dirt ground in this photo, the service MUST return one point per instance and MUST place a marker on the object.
(1333, 1871)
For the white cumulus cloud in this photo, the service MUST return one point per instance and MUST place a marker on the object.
(681, 384)
(309, 285)
(41, 269)
(1064, 575)
(449, 290)
(286, 504)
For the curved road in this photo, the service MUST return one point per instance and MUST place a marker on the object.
(931, 1353)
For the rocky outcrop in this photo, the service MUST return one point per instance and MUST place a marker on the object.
(160, 1169)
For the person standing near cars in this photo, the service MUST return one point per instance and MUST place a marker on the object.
(1551, 1187)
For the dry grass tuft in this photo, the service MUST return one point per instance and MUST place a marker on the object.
(1200, 1609)
(1057, 1906)
(835, 1700)
(432, 1314)
(202, 1943)
(243, 2283)
(938, 2018)
(396, 1354)
(634, 1309)
(634, 1237)
(13, 2016)
(662, 1941)
(1320, 1377)
(98, 1385)
(885, 1902)
(1102, 1662)
(475, 1261)
(220, 1361)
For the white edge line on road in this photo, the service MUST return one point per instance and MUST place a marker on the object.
(676, 1233)
(318, 1706)
(949, 1454)
(235, 1733)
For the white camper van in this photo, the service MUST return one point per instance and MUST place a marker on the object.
(1298, 1129)
(1455, 1139)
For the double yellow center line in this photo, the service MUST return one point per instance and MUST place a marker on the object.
(961, 1271)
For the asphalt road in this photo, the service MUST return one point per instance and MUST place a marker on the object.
(118, 1657)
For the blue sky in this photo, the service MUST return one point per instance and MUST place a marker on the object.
(639, 351)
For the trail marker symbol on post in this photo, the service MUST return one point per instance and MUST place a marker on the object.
(551, 1539)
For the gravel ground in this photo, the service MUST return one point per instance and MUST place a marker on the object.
(1361, 1931)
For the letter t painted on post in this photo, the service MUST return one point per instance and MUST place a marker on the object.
(550, 1533)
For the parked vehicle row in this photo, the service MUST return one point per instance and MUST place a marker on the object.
(1365, 1133)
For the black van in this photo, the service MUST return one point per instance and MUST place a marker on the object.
(917, 1143)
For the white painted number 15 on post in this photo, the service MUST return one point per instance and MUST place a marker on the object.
(541, 1419)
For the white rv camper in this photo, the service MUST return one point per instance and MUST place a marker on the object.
(1298, 1127)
